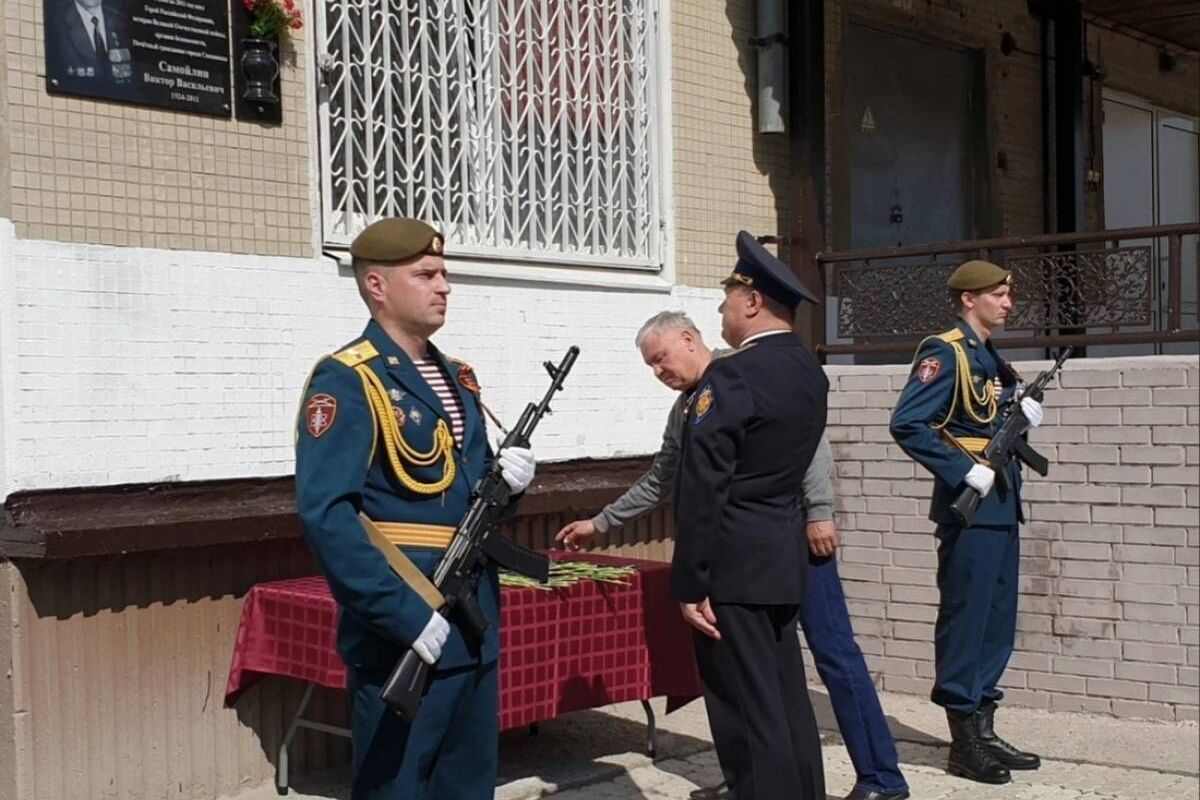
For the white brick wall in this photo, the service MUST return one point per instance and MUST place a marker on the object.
(123, 365)
(1110, 563)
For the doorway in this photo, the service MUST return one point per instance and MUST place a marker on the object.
(1152, 177)
(914, 149)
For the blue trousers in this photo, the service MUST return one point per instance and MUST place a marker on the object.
(825, 621)
(977, 615)
(449, 752)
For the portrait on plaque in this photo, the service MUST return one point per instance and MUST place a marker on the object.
(168, 53)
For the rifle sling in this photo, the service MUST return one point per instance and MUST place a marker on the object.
(403, 566)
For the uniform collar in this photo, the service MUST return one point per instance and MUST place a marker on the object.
(391, 352)
(969, 335)
(401, 367)
(758, 337)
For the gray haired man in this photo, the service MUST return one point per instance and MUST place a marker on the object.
(673, 348)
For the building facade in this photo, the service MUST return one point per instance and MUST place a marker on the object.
(167, 279)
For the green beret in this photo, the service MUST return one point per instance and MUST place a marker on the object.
(976, 275)
(398, 239)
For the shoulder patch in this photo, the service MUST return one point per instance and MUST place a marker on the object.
(357, 353)
(935, 343)
(952, 335)
(319, 413)
(705, 400)
(928, 369)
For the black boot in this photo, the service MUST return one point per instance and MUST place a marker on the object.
(1004, 752)
(969, 757)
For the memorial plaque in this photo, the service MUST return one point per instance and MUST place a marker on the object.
(168, 53)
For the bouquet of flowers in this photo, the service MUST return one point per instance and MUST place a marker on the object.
(272, 19)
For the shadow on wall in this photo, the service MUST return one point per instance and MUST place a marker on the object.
(61, 589)
(772, 152)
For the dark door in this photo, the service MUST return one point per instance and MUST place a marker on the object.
(912, 122)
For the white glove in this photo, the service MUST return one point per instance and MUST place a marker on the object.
(516, 467)
(1032, 410)
(981, 478)
(431, 641)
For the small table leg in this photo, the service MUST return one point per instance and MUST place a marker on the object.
(281, 771)
(651, 730)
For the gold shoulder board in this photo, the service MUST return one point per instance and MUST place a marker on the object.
(952, 335)
(357, 353)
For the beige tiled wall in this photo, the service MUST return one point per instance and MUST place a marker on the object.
(101, 172)
(726, 176)
(84, 170)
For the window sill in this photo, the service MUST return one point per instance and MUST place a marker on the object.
(540, 272)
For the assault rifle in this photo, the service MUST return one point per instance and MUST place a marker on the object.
(1007, 443)
(474, 543)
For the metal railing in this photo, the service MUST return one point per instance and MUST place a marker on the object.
(1120, 286)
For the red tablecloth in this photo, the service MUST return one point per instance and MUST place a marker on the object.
(564, 650)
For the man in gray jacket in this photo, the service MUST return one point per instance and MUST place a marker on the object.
(671, 345)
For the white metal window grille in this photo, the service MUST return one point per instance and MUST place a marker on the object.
(523, 129)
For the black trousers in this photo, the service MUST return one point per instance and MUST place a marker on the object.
(758, 707)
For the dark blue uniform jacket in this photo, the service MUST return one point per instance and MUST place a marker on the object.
(925, 402)
(342, 470)
(752, 427)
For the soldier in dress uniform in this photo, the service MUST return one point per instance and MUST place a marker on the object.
(390, 442)
(751, 429)
(946, 414)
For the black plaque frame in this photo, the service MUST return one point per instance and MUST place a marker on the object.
(166, 53)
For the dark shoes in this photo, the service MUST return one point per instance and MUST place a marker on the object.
(977, 753)
(1004, 752)
(970, 758)
(718, 792)
(859, 793)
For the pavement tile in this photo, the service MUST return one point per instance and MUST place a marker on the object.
(600, 755)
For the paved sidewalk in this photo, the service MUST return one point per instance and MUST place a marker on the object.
(599, 755)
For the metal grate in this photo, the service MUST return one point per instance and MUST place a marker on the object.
(1111, 287)
(523, 129)
(1107, 287)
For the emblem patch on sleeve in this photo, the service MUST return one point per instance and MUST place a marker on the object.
(704, 402)
(928, 369)
(319, 414)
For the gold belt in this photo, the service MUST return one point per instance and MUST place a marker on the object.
(971, 444)
(415, 534)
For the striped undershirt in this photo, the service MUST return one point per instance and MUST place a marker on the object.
(437, 380)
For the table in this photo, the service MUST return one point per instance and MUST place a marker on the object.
(564, 650)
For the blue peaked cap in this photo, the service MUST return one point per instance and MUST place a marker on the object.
(757, 268)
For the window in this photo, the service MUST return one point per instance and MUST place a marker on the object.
(523, 129)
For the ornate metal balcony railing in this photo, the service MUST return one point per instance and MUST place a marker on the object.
(1124, 286)
(523, 129)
